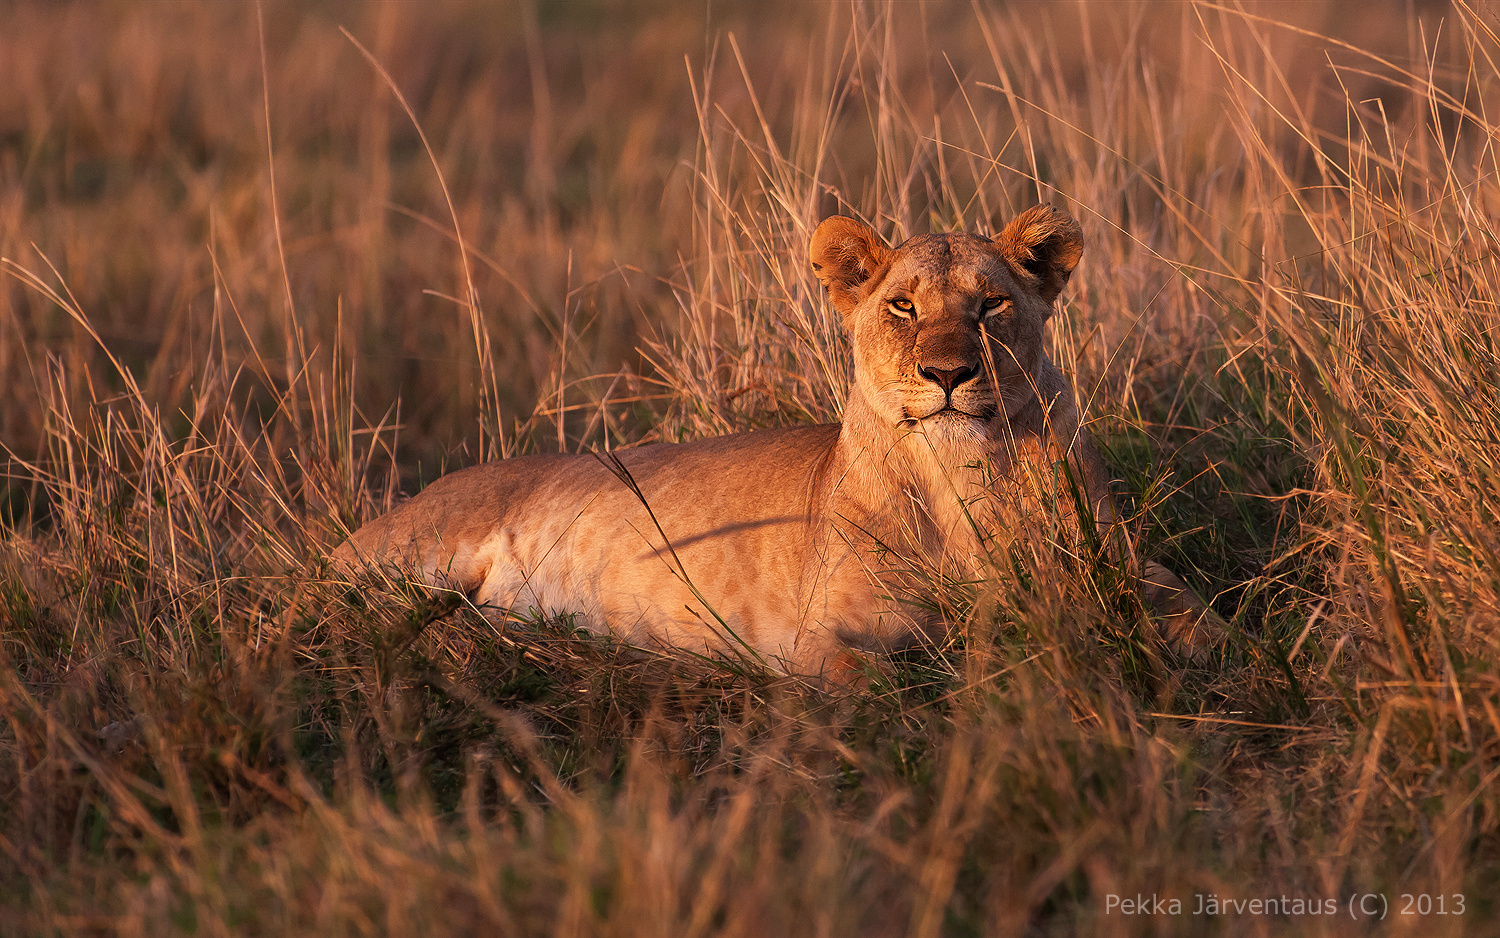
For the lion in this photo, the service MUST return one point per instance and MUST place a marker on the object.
(807, 546)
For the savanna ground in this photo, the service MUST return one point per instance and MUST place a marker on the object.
(221, 347)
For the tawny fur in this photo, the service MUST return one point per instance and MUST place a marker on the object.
(801, 543)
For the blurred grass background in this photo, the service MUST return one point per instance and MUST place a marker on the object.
(1284, 325)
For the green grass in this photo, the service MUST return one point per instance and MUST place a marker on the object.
(1284, 330)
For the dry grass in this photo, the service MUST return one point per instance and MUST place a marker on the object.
(1285, 323)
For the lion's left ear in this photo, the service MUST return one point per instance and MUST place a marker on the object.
(1043, 245)
(845, 254)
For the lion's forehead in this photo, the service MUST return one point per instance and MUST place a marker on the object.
(950, 263)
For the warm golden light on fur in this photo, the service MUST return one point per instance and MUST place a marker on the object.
(796, 545)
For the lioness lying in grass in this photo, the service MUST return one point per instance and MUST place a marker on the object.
(800, 544)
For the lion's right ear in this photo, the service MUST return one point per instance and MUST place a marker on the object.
(845, 254)
(1043, 245)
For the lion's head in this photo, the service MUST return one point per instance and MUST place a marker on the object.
(947, 328)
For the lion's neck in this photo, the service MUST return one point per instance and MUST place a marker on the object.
(914, 490)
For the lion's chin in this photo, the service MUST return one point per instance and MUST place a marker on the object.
(953, 425)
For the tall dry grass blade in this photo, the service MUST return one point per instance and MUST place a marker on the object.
(492, 440)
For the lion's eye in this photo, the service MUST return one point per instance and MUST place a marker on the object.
(993, 304)
(903, 307)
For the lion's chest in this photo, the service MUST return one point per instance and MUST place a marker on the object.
(931, 516)
(957, 503)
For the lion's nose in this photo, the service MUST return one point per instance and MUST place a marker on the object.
(949, 378)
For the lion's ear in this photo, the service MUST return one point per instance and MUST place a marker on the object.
(845, 253)
(1044, 245)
